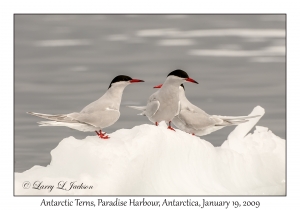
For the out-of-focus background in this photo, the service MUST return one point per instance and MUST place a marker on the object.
(64, 62)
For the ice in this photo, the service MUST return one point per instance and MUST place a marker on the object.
(153, 160)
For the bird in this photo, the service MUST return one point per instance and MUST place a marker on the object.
(164, 104)
(195, 121)
(97, 115)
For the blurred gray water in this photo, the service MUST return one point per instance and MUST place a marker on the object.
(64, 62)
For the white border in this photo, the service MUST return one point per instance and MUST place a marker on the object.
(8, 8)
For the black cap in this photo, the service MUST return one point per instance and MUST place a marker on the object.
(179, 73)
(119, 79)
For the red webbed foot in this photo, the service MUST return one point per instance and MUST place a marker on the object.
(101, 135)
(169, 127)
(105, 137)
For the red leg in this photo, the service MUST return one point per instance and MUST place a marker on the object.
(102, 133)
(156, 123)
(169, 127)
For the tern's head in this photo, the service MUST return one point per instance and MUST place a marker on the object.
(181, 76)
(181, 90)
(123, 80)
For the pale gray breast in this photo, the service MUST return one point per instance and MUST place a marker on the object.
(168, 105)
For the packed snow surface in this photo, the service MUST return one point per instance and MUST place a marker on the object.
(153, 160)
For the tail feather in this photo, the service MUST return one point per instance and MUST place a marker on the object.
(45, 116)
(230, 120)
(47, 123)
(233, 122)
(236, 118)
(141, 108)
(58, 117)
(142, 113)
(73, 125)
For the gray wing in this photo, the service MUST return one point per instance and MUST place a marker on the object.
(196, 120)
(191, 107)
(101, 119)
(152, 108)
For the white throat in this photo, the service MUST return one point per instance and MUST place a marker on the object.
(115, 92)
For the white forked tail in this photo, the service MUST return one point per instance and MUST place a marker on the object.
(63, 120)
(57, 117)
(47, 116)
(237, 117)
(230, 120)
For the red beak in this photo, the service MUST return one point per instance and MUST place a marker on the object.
(191, 80)
(136, 80)
(158, 86)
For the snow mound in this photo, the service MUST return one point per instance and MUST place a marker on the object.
(153, 160)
